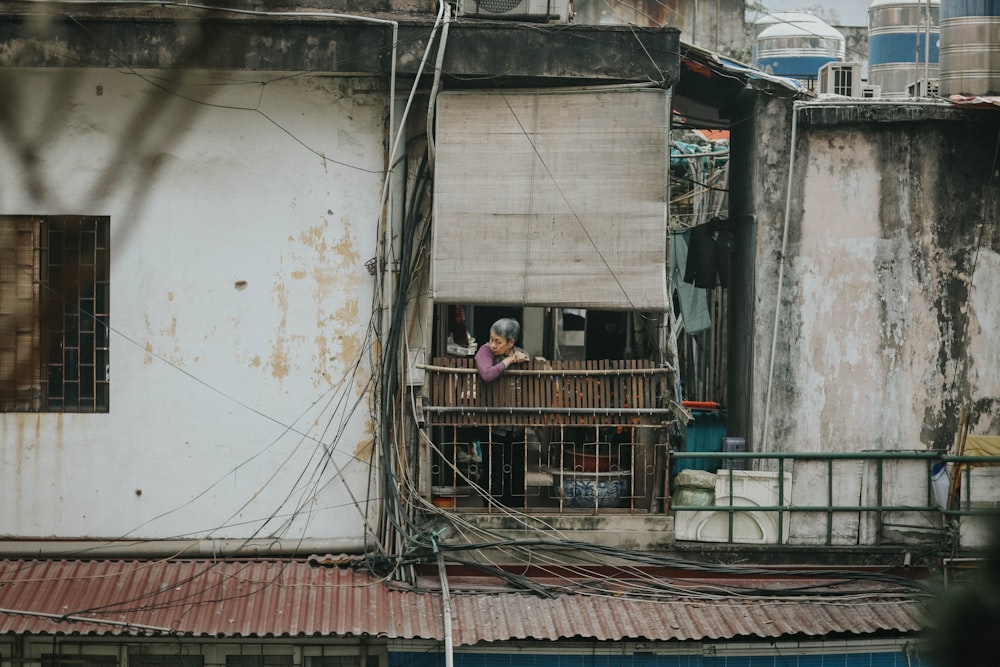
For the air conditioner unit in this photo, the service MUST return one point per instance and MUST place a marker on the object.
(871, 91)
(838, 78)
(517, 10)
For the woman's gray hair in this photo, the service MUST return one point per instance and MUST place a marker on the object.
(507, 328)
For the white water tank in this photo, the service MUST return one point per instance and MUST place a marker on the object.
(740, 489)
(798, 48)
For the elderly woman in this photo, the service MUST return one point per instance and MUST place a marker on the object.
(503, 447)
(499, 353)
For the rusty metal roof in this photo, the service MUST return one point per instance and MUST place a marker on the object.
(289, 598)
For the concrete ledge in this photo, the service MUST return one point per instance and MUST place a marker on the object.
(631, 532)
(154, 37)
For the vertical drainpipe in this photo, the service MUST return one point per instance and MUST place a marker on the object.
(781, 278)
(718, 23)
(449, 641)
(388, 244)
(927, 52)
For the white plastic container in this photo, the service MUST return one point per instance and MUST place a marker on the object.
(748, 488)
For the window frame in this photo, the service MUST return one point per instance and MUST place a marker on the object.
(55, 338)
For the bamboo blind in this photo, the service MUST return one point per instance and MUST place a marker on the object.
(555, 198)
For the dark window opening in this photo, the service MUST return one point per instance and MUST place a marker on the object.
(551, 333)
(54, 310)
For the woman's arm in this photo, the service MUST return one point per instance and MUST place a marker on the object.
(489, 371)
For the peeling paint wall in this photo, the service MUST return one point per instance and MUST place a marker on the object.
(890, 293)
(714, 24)
(243, 207)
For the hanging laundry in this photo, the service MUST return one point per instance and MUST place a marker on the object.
(693, 301)
(710, 252)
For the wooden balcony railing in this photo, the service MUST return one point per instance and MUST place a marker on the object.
(568, 393)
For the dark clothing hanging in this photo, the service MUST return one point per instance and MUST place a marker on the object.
(710, 249)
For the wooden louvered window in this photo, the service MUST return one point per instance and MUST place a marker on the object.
(54, 307)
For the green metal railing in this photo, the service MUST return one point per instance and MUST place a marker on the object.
(879, 508)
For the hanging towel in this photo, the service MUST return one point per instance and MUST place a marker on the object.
(693, 300)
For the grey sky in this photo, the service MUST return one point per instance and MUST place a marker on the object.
(834, 12)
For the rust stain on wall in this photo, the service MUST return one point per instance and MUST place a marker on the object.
(157, 337)
(334, 272)
(363, 449)
(326, 268)
(279, 360)
(345, 249)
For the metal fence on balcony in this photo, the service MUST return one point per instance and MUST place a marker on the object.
(561, 436)
(544, 469)
(872, 497)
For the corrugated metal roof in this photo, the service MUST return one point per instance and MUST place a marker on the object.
(286, 598)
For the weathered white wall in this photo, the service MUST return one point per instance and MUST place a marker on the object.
(239, 303)
(716, 26)
(888, 300)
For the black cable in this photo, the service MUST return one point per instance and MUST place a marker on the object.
(652, 559)
(395, 511)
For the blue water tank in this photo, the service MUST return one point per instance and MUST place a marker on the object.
(970, 47)
(798, 48)
(902, 44)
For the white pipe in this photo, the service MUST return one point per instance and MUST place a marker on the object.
(409, 101)
(382, 284)
(432, 101)
(87, 619)
(386, 248)
(207, 548)
(762, 446)
(449, 640)
(927, 53)
(722, 153)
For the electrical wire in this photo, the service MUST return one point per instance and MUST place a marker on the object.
(288, 427)
(404, 522)
(152, 80)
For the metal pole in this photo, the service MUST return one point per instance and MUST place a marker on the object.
(927, 51)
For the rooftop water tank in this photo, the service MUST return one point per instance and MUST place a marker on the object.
(767, 20)
(902, 44)
(797, 48)
(970, 47)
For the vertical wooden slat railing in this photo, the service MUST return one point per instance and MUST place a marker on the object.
(605, 392)
(580, 407)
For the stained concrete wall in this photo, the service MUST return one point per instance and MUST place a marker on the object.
(716, 26)
(889, 289)
(243, 208)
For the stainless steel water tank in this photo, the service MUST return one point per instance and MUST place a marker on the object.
(970, 47)
(902, 44)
